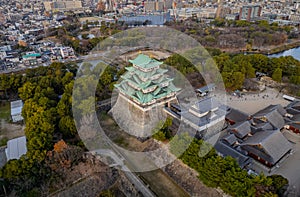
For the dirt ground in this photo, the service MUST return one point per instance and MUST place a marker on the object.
(10, 131)
(253, 102)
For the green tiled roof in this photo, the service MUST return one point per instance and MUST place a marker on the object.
(162, 80)
(127, 75)
(145, 61)
(173, 88)
(156, 91)
(134, 76)
(143, 98)
(31, 55)
(137, 79)
(145, 84)
(130, 68)
(144, 74)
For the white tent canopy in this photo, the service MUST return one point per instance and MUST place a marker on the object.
(16, 148)
(16, 110)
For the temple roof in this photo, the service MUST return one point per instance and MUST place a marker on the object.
(145, 61)
(206, 105)
(241, 129)
(272, 142)
(145, 87)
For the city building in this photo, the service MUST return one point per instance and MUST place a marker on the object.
(250, 12)
(67, 52)
(146, 19)
(222, 11)
(157, 5)
(56, 5)
(232, 17)
(295, 18)
(5, 48)
(63, 52)
(32, 59)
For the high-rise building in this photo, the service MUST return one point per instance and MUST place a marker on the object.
(222, 11)
(151, 6)
(62, 5)
(250, 12)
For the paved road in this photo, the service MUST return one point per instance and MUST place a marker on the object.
(119, 159)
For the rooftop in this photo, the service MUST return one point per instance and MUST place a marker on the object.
(272, 142)
(146, 87)
(145, 62)
(31, 55)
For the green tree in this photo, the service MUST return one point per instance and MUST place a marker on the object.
(163, 131)
(27, 91)
(159, 135)
(67, 126)
(4, 83)
(277, 75)
(279, 183)
(233, 80)
(180, 143)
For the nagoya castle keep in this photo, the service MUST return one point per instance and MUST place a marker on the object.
(143, 93)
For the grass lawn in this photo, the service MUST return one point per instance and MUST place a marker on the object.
(4, 110)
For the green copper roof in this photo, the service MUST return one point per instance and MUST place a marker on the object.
(156, 91)
(163, 80)
(144, 98)
(125, 88)
(31, 55)
(145, 61)
(137, 81)
(126, 75)
(173, 88)
(130, 68)
(147, 75)
(145, 84)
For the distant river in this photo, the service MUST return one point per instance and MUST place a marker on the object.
(295, 52)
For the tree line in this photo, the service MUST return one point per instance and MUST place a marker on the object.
(46, 116)
(236, 35)
(235, 68)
